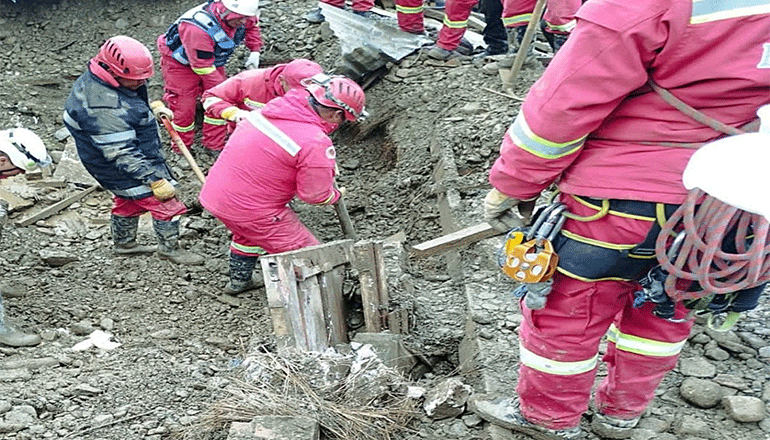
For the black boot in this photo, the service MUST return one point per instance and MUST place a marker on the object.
(124, 236)
(241, 270)
(168, 244)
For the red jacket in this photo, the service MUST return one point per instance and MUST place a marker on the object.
(196, 41)
(592, 124)
(255, 177)
(247, 90)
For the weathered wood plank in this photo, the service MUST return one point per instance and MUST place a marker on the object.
(282, 300)
(370, 296)
(461, 238)
(53, 209)
(314, 324)
(335, 312)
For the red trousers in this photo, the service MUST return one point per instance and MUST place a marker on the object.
(559, 15)
(280, 233)
(165, 211)
(409, 14)
(456, 15)
(559, 344)
(182, 90)
(358, 5)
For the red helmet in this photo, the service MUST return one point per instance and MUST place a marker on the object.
(338, 92)
(126, 58)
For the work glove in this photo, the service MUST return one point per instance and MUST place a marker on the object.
(160, 110)
(234, 114)
(253, 61)
(497, 211)
(162, 190)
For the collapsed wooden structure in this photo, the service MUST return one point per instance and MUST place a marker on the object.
(305, 293)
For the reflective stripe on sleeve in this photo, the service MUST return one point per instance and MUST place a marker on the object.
(112, 138)
(211, 100)
(643, 346)
(274, 133)
(250, 103)
(524, 138)
(68, 119)
(558, 368)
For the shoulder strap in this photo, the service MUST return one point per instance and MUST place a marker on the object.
(692, 112)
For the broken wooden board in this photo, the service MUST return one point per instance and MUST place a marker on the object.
(304, 295)
(370, 264)
(53, 209)
(458, 239)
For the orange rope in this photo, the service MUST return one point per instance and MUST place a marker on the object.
(706, 223)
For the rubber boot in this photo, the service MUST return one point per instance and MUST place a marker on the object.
(241, 270)
(12, 337)
(168, 244)
(124, 236)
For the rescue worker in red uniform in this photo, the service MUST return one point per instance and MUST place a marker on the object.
(558, 19)
(276, 153)
(193, 54)
(360, 7)
(592, 125)
(228, 102)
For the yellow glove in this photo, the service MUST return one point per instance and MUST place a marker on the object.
(162, 190)
(497, 211)
(234, 114)
(160, 110)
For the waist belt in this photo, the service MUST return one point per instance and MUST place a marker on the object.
(589, 259)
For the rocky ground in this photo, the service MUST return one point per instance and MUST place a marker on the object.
(180, 338)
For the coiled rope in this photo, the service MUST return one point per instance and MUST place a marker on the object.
(702, 258)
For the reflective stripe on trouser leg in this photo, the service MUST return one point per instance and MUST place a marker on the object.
(181, 90)
(517, 12)
(560, 15)
(554, 386)
(410, 15)
(214, 133)
(641, 350)
(272, 233)
(455, 23)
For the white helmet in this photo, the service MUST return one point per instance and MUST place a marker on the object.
(249, 8)
(24, 148)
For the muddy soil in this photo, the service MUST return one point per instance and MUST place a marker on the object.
(180, 337)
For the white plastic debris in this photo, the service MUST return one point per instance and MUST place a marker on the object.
(99, 339)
